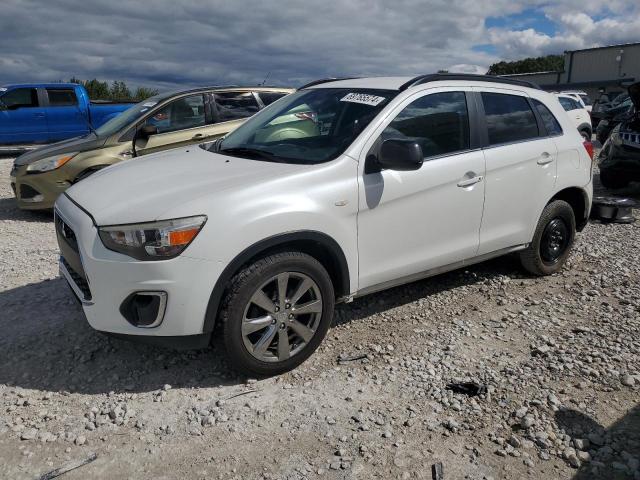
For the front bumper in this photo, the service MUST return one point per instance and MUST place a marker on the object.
(37, 191)
(111, 278)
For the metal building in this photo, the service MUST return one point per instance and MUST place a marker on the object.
(595, 70)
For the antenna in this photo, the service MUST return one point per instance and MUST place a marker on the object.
(265, 79)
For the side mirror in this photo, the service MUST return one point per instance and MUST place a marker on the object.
(148, 130)
(401, 155)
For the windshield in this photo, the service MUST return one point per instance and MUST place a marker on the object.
(119, 122)
(309, 126)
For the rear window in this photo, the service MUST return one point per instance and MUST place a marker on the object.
(509, 118)
(60, 97)
(569, 103)
(549, 120)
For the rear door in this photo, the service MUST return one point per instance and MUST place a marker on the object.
(521, 162)
(22, 118)
(65, 118)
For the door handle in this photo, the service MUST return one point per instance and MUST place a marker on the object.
(196, 136)
(545, 158)
(470, 181)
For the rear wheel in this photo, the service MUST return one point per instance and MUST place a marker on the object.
(586, 134)
(276, 313)
(552, 240)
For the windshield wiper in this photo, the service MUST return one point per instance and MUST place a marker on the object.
(250, 152)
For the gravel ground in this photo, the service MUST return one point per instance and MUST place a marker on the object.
(558, 355)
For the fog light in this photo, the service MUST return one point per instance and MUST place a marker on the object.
(144, 309)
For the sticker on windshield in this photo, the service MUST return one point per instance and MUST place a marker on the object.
(149, 104)
(363, 98)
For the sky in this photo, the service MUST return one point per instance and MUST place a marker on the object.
(179, 43)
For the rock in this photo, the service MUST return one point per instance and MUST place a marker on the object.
(627, 380)
(515, 441)
(29, 434)
(527, 421)
(80, 440)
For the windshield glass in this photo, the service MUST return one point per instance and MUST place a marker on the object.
(309, 126)
(119, 122)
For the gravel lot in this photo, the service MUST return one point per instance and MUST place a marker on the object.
(559, 357)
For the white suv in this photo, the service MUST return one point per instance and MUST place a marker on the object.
(390, 180)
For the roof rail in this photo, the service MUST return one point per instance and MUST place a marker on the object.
(324, 80)
(434, 77)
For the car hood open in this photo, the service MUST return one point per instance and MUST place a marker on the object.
(145, 188)
(77, 144)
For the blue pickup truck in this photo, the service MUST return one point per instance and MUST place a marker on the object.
(50, 112)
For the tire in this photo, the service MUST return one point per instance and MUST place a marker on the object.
(612, 180)
(254, 314)
(556, 227)
(586, 134)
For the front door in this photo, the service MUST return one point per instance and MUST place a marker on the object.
(22, 118)
(180, 122)
(64, 117)
(416, 221)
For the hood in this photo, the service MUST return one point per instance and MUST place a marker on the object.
(143, 189)
(77, 144)
(634, 93)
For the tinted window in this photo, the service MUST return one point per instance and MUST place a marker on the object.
(20, 98)
(549, 120)
(509, 118)
(62, 97)
(235, 105)
(568, 103)
(269, 97)
(186, 112)
(438, 122)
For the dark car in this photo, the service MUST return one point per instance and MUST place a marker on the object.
(620, 156)
(610, 118)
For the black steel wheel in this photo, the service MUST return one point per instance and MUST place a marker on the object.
(552, 240)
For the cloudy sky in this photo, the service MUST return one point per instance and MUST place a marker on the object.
(168, 43)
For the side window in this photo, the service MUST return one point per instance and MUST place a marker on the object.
(62, 97)
(549, 120)
(438, 122)
(509, 118)
(20, 98)
(269, 97)
(183, 113)
(235, 105)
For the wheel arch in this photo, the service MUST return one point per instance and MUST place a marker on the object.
(585, 127)
(579, 201)
(316, 244)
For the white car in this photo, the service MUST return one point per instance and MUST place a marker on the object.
(402, 179)
(577, 113)
(582, 97)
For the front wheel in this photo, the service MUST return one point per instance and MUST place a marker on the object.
(552, 240)
(276, 313)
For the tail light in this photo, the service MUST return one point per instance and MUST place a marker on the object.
(588, 146)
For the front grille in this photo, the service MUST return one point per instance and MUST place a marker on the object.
(631, 137)
(70, 255)
(27, 192)
(79, 280)
(65, 232)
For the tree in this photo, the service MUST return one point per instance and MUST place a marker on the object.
(548, 63)
(120, 91)
(144, 92)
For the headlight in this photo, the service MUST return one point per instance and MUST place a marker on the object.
(50, 163)
(152, 241)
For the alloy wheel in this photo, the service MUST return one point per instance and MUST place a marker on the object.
(282, 317)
